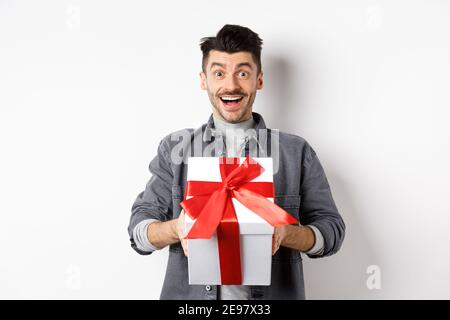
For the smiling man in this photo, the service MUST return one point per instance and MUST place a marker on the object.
(232, 96)
(231, 75)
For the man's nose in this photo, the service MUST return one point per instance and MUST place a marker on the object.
(231, 83)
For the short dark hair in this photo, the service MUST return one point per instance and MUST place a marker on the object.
(233, 38)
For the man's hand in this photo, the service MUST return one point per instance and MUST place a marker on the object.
(279, 234)
(161, 234)
(292, 236)
(181, 233)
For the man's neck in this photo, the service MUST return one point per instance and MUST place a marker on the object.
(223, 125)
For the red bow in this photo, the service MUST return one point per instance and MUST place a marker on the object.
(212, 208)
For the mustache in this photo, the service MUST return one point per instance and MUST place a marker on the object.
(231, 93)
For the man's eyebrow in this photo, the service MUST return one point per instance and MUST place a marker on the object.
(245, 64)
(216, 64)
(240, 65)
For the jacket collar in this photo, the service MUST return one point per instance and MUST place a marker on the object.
(210, 131)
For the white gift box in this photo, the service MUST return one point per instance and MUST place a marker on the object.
(255, 232)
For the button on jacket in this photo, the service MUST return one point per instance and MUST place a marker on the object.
(301, 188)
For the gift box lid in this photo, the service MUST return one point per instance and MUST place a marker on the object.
(207, 169)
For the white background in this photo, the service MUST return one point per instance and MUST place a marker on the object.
(88, 88)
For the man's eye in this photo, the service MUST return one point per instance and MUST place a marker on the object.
(218, 73)
(243, 74)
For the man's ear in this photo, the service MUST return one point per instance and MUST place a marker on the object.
(260, 81)
(203, 80)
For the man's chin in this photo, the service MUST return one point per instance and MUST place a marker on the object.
(233, 116)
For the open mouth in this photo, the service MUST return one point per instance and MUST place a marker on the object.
(231, 102)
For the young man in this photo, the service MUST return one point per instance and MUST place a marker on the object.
(231, 74)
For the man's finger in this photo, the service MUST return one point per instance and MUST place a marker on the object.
(185, 247)
(275, 243)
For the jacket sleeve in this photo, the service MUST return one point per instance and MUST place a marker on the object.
(317, 206)
(155, 202)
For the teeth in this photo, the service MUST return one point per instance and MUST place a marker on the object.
(228, 98)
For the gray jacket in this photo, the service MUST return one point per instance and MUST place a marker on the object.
(301, 189)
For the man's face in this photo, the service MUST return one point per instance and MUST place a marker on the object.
(231, 81)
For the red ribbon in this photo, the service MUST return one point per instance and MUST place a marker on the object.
(212, 208)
